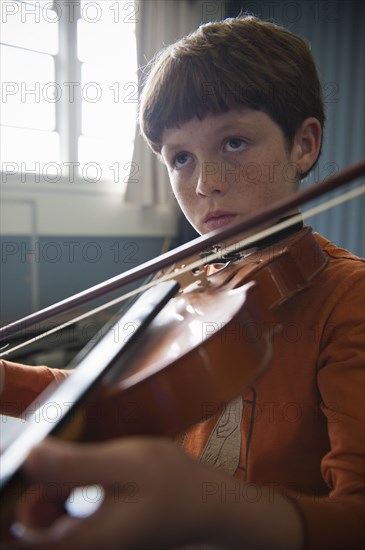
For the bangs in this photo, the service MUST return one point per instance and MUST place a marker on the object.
(231, 64)
(187, 87)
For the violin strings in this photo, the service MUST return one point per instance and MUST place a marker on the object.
(311, 212)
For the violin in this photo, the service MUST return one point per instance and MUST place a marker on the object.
(188, 358)
(203, 346)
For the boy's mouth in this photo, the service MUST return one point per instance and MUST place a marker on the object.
(218, 218)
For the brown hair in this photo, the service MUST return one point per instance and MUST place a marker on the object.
(237, 62)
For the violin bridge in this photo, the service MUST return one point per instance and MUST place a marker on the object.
(189, 279)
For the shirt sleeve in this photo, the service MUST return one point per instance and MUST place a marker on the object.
(23, 383)
(338, 520)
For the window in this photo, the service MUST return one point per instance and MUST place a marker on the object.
(68, 90)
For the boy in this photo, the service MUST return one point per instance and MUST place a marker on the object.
(235, 112)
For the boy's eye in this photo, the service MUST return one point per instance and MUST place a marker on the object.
(235, 144)
(180, 160)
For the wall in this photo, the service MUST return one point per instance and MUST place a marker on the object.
(58, 241)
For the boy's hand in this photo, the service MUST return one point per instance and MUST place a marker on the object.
(152, 495)
(155, 497)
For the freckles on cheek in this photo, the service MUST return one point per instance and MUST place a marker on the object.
(188, 204)
(186, 201)
(256, 192)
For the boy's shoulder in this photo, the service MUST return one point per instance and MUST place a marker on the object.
(341, 282)
(335, 252)
(343, 277)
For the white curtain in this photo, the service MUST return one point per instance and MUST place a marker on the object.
(158, 23)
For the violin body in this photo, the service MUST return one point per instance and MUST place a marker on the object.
(198, 353)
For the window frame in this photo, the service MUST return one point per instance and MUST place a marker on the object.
(32, 204)
(68, 114)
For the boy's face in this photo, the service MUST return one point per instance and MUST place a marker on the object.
(228, 166)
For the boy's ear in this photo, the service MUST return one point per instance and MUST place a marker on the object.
(307, 144)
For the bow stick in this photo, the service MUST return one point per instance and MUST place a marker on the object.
(195, 246)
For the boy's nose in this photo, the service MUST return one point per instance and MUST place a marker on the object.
(213, 178)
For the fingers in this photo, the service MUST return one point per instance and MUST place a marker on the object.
(140, 484)
(113, 526)
(53, 461)
(41, 504)
(76, 464)
(28, 537)
(82, 464)
(57, 468)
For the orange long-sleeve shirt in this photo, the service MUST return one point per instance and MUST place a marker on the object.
(300, 427)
